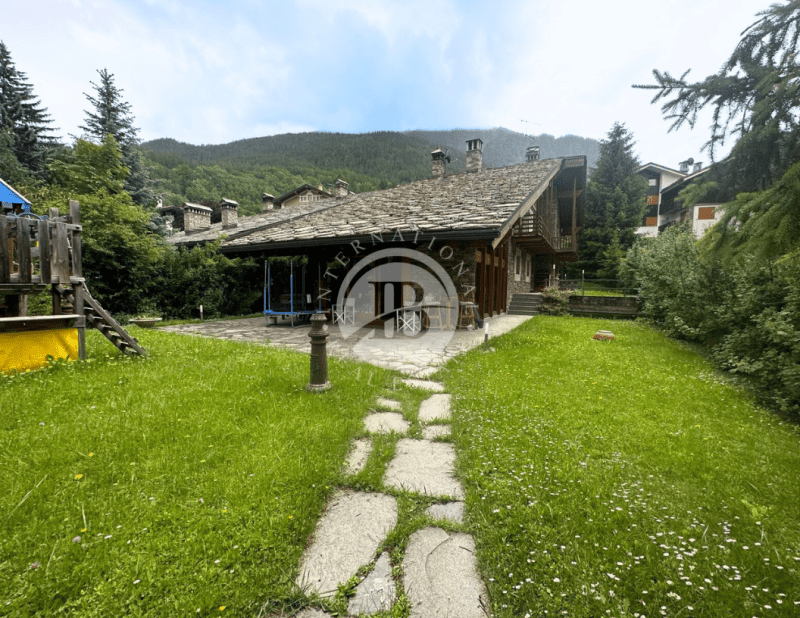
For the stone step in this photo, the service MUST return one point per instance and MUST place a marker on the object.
(427, 385)
(377, 592)
(441, 578)
(424, 467)
(386, 422)
(358, 455)
(346, 538)
(435, 408)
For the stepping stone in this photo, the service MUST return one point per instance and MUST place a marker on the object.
(377, 592)
(346, 538)
(424, 467)
(441, 579)
(386, 422)
(358, 455)
(389, 404)
(434, 408)
(451, 511)
(427, 385)
(435, 431)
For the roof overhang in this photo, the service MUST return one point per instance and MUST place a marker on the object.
(525, 206)
(417, 237)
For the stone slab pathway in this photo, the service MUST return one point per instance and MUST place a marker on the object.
(427, 385)
(424, 467)
(346, 537)
(401, 353)
(386, 422)
(451, 511)
(440, 576)
(377, 592)
(358, 455)
(389, 404)
(435, 408)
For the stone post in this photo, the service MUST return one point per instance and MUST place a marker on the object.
(319, 355)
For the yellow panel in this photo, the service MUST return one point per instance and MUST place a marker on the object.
(29, 350)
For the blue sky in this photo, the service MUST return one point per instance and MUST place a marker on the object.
(213, 72)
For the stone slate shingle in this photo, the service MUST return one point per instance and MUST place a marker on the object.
(475, 201)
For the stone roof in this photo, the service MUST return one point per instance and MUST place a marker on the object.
(246, 225)
(473, 202)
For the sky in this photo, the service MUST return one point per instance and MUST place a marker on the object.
(210, 72)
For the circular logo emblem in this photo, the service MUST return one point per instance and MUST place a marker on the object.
(397, 302)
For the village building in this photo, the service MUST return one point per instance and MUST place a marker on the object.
(663, 207)
(498, 231)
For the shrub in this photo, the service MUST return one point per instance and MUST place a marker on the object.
(555, 301)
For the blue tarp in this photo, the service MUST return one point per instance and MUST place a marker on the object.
(9, 196)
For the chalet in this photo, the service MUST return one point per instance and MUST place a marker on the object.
(663, 207)
(502, 230)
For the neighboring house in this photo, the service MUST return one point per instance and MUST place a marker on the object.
(498, 231)
(12, 200)
(663, 207)
(305, 194)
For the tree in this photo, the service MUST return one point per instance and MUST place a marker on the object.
(90, 168)
(112, 116)
(615, 201)
(22, 114)
(755, 99)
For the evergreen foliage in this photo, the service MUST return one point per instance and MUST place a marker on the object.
(755, 99)
(22, 114)
(613, 208)
(112, 116)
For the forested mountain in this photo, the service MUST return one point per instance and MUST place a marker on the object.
(276, 164)
(502, 147)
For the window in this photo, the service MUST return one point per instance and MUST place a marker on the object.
(650, 221)
(653, 182)
(528, 268)
(518, 265)
(304, 197)
(705, 212)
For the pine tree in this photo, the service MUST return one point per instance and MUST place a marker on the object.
(615, 201)
(112, 116)
(22, 114)
(755, 99)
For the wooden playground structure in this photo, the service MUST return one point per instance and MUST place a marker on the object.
(42, 255)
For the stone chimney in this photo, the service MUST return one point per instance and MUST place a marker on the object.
(697, 167)
(437, 163)
(268, 202)
(532, 153)
(196, 218)
(474, 155)
(684, 165)
(230, 213)
(341, 188)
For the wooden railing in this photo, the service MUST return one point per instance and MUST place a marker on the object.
(35, 253)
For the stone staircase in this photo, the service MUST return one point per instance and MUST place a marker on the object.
(525, 303)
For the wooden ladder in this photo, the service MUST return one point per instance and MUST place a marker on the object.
(99, 318)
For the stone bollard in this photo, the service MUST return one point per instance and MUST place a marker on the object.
(319, 355)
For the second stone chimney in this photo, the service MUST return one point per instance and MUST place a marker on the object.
(474, 155)
(437, 163)
(532, 153)
(230, 213)
(267, 202)
(196, 218)
(341, 188)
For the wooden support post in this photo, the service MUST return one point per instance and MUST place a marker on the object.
(44, 251)
(77, 271)
(24, 250)
(80, 323)
(75, 216)
(5, 252)
(61, 253)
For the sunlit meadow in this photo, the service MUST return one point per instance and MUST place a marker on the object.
(184, 484)
(623, 478)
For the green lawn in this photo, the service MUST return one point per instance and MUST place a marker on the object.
(623, 478)
(188, 481)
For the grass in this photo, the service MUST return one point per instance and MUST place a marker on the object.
(623, 478)
(188, 481)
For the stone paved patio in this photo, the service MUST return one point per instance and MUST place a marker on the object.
(414, 357)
